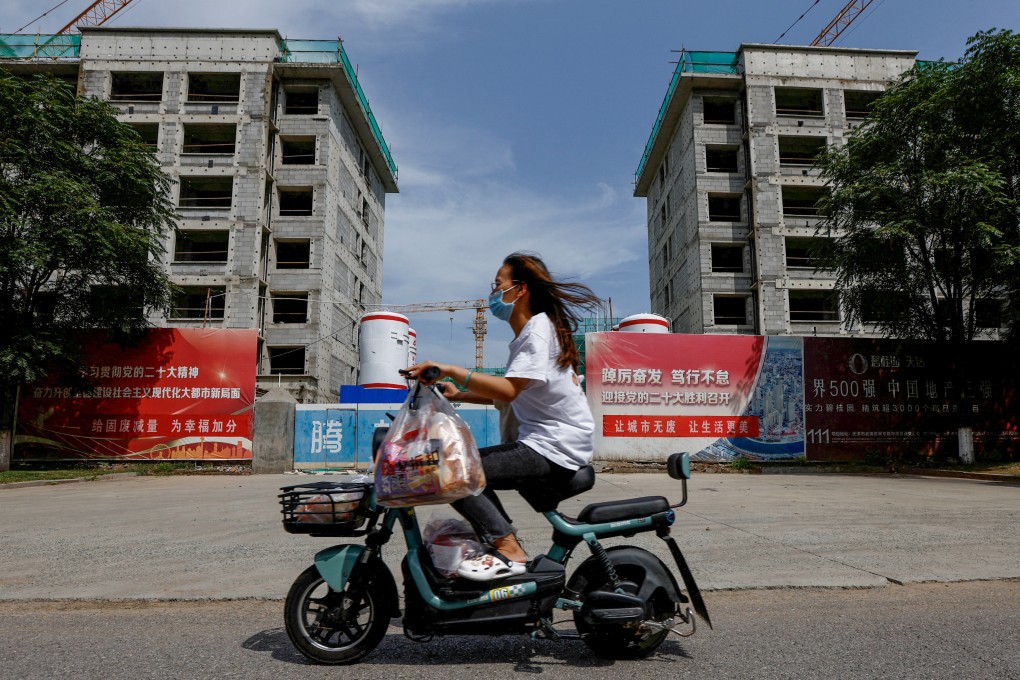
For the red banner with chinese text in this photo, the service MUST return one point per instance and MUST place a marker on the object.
(714, 396)
(183, 394)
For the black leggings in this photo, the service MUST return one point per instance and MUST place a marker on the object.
(507, 466)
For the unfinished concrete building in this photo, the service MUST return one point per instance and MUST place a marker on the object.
(281, 175)
(730, 189)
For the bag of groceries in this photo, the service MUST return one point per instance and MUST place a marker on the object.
(450, 541)
(429, 455)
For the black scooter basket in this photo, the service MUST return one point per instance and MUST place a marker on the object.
(326, 508)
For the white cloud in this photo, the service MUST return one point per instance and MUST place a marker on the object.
(462, 208)
(465, 228)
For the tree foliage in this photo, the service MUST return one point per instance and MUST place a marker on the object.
(83, 213)
(924, 202)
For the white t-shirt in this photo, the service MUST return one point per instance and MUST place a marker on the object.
(553, 411)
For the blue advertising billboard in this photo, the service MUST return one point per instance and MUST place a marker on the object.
(340, 435)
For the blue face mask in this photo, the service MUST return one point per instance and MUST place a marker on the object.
(501, 310)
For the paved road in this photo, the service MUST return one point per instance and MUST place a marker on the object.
(220, 537)
(932, 631)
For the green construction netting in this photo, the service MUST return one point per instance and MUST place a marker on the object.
(23, 46)
(689, 62)
(332, 52)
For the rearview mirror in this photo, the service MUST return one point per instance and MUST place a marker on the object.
(678, 466)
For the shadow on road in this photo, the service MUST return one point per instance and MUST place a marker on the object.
(528, 656)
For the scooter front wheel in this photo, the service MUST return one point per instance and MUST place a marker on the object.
(331, 627)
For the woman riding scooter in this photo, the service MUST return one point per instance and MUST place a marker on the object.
(541, 384)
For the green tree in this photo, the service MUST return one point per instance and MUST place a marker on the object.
(83, 213)
(923, 203)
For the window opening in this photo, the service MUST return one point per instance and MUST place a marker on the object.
(293, 254)
(217, 88)
(802, 253)
(720, 111)
(858, 103)
(720, 159)
(209, 139)
(149, 132)
(814, 305)
(290, 307)
(795, 101)
(201, 246)
(206, 192)
(296, 201)
(727, 257)
(286, 360)
(199, 302)
(301, 102)
(729, 310)
(298, 150)
(800, 151)
(724, 208)
(137, 86)
(801, 201)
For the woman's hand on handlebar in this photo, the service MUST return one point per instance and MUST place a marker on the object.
(427, 372)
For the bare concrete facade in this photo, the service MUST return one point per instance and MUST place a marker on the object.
(730, 189)
(280, 180)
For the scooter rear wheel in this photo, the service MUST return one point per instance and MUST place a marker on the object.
(621, 642)
(331, 627)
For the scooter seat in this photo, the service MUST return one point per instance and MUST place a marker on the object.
(615, 511)
(546, 494)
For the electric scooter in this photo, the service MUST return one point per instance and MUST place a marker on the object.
(624, 600)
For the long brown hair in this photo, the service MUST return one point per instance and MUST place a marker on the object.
(556, 298)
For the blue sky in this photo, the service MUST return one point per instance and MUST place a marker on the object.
(518, 124)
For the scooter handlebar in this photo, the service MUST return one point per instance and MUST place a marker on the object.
(430, 374)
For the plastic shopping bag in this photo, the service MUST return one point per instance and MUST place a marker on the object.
(450, 541)
(429, 455)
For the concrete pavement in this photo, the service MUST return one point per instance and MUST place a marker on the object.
(212, 537)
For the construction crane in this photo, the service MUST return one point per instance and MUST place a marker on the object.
(478, 327)
(846, 16)
(96, 14)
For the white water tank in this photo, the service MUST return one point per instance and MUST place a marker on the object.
(644, 323)
(412, 347)
(384, 339)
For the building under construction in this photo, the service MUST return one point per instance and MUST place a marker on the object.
(280, 177)
(730, 187)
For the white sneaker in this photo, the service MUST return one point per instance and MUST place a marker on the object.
(489, 567)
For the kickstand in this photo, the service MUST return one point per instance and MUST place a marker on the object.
(546, 631)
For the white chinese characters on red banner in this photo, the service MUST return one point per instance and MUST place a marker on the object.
(713, 396)
(679, 426)
(181, 394)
